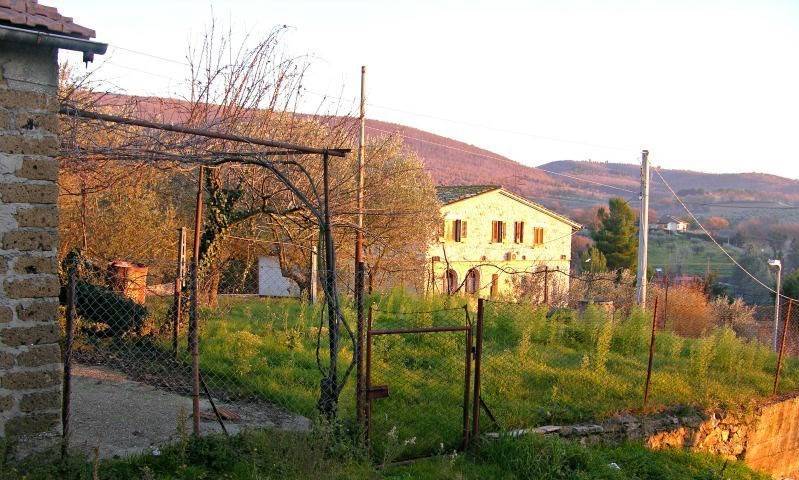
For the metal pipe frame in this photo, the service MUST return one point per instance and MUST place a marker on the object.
(202, 132)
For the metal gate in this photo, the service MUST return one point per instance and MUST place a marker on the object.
(418, 379)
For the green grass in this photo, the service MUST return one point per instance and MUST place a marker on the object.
(691, 254)
(536, 370)
(266, 455)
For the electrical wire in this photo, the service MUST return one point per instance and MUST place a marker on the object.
(723, 250)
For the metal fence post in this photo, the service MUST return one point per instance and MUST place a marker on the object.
(785, 325)
(651, 352)
(368, 378)
(467, 374)
(68, 341)
(179, 284)
(478, 353)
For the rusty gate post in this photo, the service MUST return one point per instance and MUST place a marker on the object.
(782, 346)
(68, 341)
(478, 353)
(368, 379)
(651, 352)
(666, 303)
(467, 374)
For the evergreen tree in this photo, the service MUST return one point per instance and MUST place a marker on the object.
(593, 261)
(790, 285)
(617, 235)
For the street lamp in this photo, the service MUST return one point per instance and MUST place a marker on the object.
(776, 265)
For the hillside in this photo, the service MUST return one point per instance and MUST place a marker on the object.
(735, 195)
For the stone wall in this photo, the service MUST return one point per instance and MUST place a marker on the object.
(774, 445)
(30, 368)
(764, 434)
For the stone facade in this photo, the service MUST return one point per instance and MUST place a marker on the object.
(763, 434)
(493, 260)
(30, 357)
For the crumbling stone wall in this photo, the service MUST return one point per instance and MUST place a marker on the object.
(763, 433)
(30, 357)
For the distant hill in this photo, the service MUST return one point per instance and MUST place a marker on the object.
(733, 195)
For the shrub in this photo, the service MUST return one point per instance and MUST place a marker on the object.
(669, 344)
(688, 312)
(102, 306)
(632, 333)
(727, 349)
(602, 342)
(701, 356)
(735, 314)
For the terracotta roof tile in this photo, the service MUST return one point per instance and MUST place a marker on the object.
(29, 13)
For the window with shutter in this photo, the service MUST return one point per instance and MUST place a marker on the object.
(518, 232)
(494, 231)
(456, 230)
(538, 235)
(463, 229)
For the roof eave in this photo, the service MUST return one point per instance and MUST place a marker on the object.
(24, 35)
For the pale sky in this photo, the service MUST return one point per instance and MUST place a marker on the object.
(704, 85)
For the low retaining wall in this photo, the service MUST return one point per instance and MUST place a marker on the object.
(764, 434)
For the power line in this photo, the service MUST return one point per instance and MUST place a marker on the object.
(150, 55)
(732, 259)
(483, 126)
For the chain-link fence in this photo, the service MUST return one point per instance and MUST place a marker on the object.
(418, 381)
(131, 353)
(543, 365)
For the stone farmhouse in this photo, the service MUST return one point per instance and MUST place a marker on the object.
(670, 224)
(491, 240)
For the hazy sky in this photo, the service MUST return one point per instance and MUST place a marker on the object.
(703, 85)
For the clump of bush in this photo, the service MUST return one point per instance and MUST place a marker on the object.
(113, 312)
(735, 314)
(688, 311)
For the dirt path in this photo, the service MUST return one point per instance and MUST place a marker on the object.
(122, 417)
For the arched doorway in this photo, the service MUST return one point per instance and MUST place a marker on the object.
(473, 281)
(451, 281)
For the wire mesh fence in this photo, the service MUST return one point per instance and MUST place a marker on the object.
(543, 365)
(419, 377)
(261, 340)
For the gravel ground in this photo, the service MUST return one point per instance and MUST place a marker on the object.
(122, 417)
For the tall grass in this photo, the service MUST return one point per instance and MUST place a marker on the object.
(539, 367)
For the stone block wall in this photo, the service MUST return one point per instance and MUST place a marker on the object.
(30, 357)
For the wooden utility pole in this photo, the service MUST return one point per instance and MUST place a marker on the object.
(643, 230)
(360, 397)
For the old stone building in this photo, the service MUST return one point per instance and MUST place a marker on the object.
(30, 358)
(491, 241)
